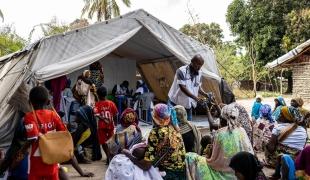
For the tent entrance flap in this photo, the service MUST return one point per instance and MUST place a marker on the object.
(83, 59)
(159, 76)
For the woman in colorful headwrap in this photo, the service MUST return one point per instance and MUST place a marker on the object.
(228, 140)
(262, 128)
(302, 164)
(287, 138)
(127, 133)
(279, 102)
(165, 148)
(190, 134)
(247, 166)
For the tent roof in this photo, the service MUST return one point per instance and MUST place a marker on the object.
(137, 34)
(290, 56)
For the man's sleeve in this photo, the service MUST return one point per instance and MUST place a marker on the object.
(180, 77)
(31, 127)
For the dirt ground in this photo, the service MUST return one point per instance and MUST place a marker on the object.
(99, 167)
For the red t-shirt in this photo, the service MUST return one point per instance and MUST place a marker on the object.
(49, 121)
(106, 110)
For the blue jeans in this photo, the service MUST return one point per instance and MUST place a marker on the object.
(188, 111)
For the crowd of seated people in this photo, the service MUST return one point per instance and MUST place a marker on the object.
(174, 148)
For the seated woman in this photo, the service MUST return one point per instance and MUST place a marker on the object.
(279, 102)
(190, 134)
(127, 133)
(243, 118)
(302, 164)
(165, 148)
(247, 166)
(287, 137)
(228, 140)
(298, 103)
(262, 128)
(121, 166)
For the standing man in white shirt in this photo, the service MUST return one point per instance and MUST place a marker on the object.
(187, 85)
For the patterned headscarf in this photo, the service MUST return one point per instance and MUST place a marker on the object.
(161, 114)
(129, 117)
(291, 113)
(266, 112)
(281, 101)
(181, 114)
(230, 113)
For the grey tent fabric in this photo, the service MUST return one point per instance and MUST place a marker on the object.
(62, 54)
(226, 93)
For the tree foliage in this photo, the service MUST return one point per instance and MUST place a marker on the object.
(297, 28)
(260, 26)
(262, 23)
(55, 27)
(10, 41)
(232, 65)
(210, 34)
(104, 9)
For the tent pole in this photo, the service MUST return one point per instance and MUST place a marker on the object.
(281, 82)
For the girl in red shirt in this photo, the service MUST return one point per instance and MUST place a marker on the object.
(106, 111)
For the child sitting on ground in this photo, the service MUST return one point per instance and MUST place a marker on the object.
(106, 111)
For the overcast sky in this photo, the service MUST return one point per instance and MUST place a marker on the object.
(24, 14)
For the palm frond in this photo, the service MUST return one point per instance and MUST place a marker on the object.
(104, 9)
(115, 8)
(1, 15)
(127, 2)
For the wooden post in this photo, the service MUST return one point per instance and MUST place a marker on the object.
(281, 88)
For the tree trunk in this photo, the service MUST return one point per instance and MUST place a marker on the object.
(254, 78)
(281, 82)
(289, 83)
(253, 63)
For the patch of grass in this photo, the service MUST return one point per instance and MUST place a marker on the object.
(269, 94)
(245, 94)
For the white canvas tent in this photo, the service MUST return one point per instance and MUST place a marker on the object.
(156, 48)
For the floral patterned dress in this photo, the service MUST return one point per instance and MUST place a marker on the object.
(165, 143)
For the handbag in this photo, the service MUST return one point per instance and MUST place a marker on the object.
(55, 147)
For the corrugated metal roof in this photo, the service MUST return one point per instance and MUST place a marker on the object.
(289, 56)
